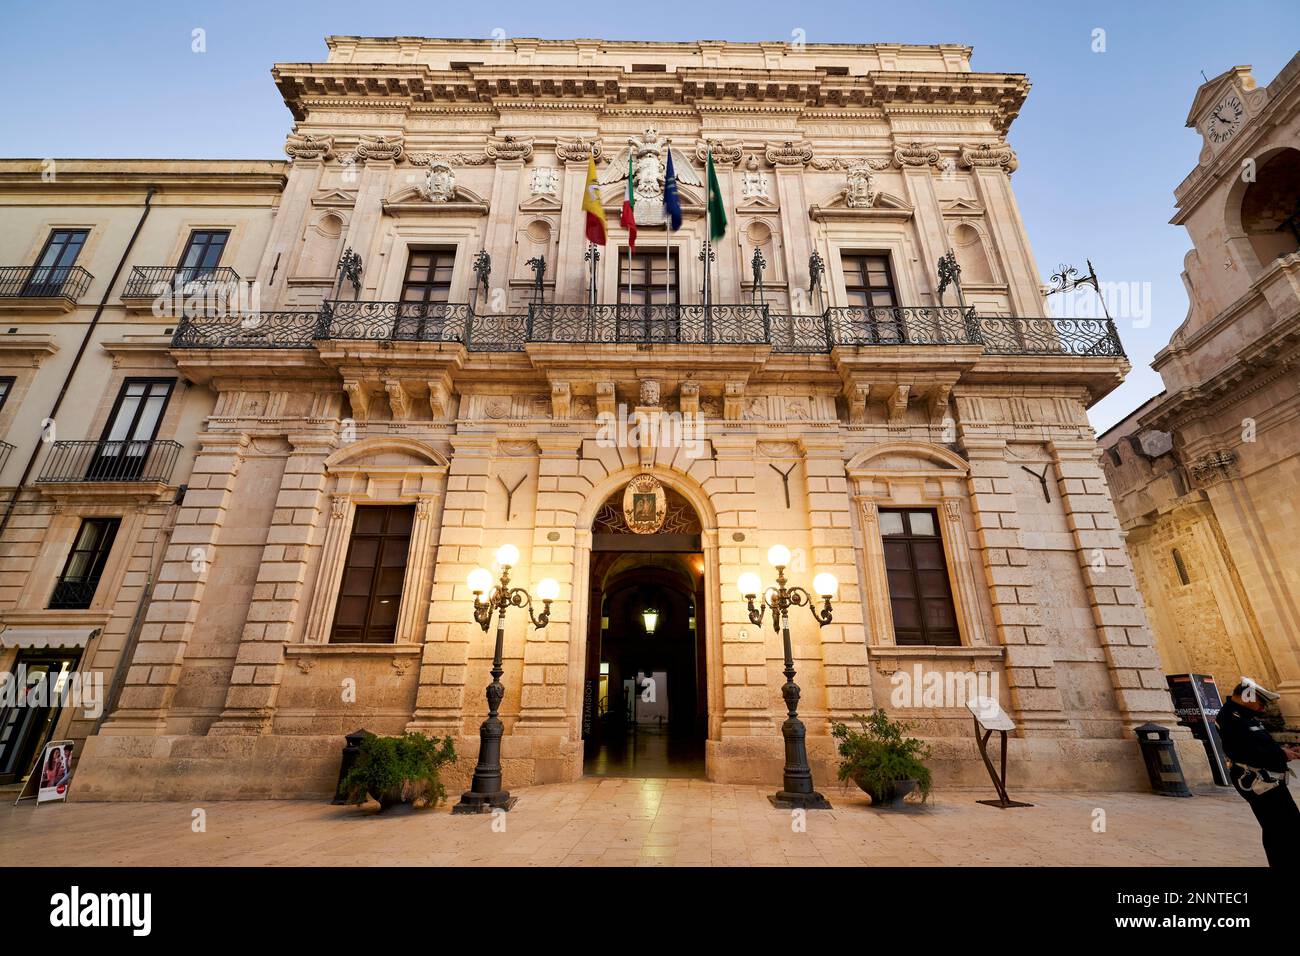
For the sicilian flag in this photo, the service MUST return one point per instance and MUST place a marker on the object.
(628, 219)
(591, 205)
(672, 202)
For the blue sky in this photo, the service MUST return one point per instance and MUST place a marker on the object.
(1101, 140)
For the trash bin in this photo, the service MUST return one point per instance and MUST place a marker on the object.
(350, 751)
(1161, 758)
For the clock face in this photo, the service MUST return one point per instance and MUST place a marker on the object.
(1224, 120)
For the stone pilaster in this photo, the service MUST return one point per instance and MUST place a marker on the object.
(155, 670)
(440, 700)
(728, 479)
(561, 492)
(1030, 664)
(845, 665)
(278, 594)
(1141, 691)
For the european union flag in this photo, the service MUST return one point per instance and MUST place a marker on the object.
(672, 204)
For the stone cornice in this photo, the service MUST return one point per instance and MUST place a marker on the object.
(399, 86)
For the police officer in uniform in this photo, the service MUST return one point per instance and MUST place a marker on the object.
(1257, 768)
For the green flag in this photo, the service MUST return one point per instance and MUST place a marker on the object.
(717, 214)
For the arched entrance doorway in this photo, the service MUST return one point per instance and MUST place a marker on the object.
(1270, 207)
(645, 710)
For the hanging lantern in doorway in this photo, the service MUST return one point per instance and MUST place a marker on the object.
(650, 618)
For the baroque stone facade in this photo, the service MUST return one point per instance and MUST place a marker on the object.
(390, 365)
(1206, 475)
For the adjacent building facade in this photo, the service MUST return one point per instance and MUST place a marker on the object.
(439, 363)
(1206, 475)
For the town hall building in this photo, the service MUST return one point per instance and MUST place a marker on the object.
(397, 352)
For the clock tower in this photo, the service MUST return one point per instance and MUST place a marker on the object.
(1222, 107)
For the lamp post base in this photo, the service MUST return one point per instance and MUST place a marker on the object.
(471, 802)
(786, 800)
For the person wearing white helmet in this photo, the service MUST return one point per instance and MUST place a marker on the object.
(1257, 767)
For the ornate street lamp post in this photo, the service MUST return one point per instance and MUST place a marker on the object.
(485, 793)
(797, 788)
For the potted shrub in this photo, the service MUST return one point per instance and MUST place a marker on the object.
(880, 760)
(403, 769)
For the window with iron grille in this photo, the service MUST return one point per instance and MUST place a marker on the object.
(371, 590)
(80, 578)
(868, 281)
(919, 592)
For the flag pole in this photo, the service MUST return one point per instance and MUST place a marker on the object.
(705, 287)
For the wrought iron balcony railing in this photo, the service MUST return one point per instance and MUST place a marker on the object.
(457, 323)
(149, 282)
(44, 282)
(6, 450)
(71, 594)
(1082, 337)
(394, 321)
(912, 325)
(261, 330)
(649, 324)
(77, 461)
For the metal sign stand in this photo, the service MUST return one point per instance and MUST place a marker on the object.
(989, 717)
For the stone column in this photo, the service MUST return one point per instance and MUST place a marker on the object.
(846, 668)
(294, 210)
(1140, 687)
(277, 603)
(440, 700)
(152, 679)
(795, 225)
(499, 234)
(363, 230)
(1030, 664)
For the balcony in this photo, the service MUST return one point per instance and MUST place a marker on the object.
(649, 324)
(180, 290)
(458, 324)
(6, 450)
(43, 287)
(78, 463)
(395, 321)
(261, 330)
(1056, 337)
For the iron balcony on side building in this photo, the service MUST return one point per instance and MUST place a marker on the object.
(57, 287)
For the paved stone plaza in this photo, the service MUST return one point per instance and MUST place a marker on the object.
(625, 822)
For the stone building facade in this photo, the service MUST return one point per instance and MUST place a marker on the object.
(438, 366)
(1206, 475)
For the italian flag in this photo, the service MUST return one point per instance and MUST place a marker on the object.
(628, 220)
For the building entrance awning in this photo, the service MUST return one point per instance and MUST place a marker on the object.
(47, 638)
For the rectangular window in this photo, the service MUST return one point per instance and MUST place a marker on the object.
(55, 262)
(202, 254)
(919, 592)
(650, 278)
(371, 591)
(868, 281)
(6, 387)
(428, 276)
(131, 429)
(76, 585)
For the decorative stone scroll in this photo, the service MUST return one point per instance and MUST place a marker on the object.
(916, 154)
(575, 151)
(307, 146)
(724, 152)
(389, 148)
(849, 162)
(989, 156)
(510, 149)
(789, 154)
(450, 159)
